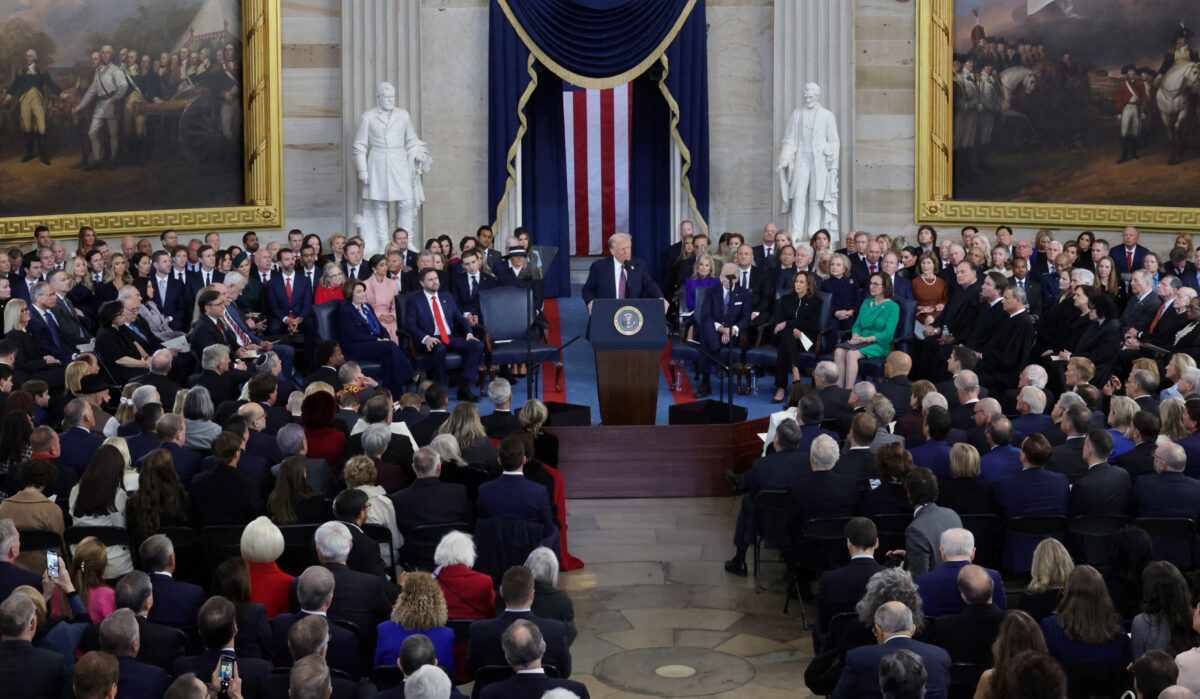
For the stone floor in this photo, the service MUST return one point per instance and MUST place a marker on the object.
(659, 616)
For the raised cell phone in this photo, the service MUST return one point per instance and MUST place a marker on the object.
(52, 563)
(226, 670)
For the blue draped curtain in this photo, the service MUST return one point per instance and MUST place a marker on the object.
(536, 44)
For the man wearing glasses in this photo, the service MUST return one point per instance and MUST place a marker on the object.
(44, 327)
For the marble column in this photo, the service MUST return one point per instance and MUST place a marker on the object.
(381, 42)
(814, 42)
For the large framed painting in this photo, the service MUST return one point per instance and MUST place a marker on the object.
(1061, 113)
(136, 116)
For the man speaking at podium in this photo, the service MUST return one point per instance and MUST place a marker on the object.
(619, 276)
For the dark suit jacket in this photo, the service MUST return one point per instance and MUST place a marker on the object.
(1138, 461)
(361, 598)
(837, 407)
(172, 304)
(500, 423)
(398, 452)
(207, 332)
(364, 552)
(1028, 424)
(430, 501)
(425, 430)
(966, 496)
(531, 686)
(73, 329)
(516, 497)
(325, 373)
(363, 270)
(1120, 259)
(12, 577)
(484, 645)
(187, 462)
(1103, 491)
(224, 496)
(898, 390)
(857, 463)
(419, 321)
(1067, 459)
(195, 282)
(468, 303)
(1167, 494)
(1033, 292)
(342, 654)
(1032, 492)
(139, 679)
(37, 328)
(601, 281)
(167, 388)
(1139, 313)
(939, 589)
(933, 455)
(252, 671)
(300, 306)
(968, 635)
(841, 589)
(31, 672)
(78, 445)
(821, 494)
(860, 678)
(176, 603)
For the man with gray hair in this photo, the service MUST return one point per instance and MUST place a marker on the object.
(881, 408)
(902, 676)
(524, 647)
(1143, 303)
(966, 389)
(501, 421)
(119, 636)
(171, 432)
(969, 634)
(361, 598)
(160, 646)
(291, 441)
(1167, 492)
(939, 587)
(1031, 407)
(428, 682)
(983, 411)
(12, 577)
(314, 591)
(400, 443)
(309, 679)
(156, 376)
(430, 500)
(836, 400)
(893, 629)
(26, 671)
(776, 471)
(821, 493)
(176, 602)
(142, 396)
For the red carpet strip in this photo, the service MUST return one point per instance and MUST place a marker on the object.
(553, 337)
(684, 394)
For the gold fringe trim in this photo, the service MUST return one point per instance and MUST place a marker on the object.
(683, 149)
(512, 150)
(597, 83)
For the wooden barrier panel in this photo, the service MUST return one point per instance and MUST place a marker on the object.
(655, 461)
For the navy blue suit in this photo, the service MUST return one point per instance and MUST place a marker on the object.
(187, 462)
(516, 497)
(531, 686)
(359, 340)
(935, 456)
(1001, 462)
(343, 646)
(1167, 494)
(176, 603)
(195, 282)
(1120, 259)
(737, 315)
(52, 342)
(602, 281)
(277, 300)
(78, 445)
(1032, 492)
(901, 289)
(419, 322)
(141, 679)
(468, 302)
(1028, 424)
(287, 353)
(483, 648)
(12, 577)
(171, 304)
(860, 677)
(939, 589)
(776, 471)
(140, 444)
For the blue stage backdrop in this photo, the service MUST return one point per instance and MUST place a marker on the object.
(536, 44)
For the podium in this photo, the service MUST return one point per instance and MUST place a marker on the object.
(628, 336)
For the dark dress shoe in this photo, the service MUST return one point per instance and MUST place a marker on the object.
(704, 391)
(737, 567)
(466, 394)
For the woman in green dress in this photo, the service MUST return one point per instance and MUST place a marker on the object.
(872, 332)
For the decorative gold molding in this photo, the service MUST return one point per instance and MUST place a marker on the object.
(933, 200)
(262, 120)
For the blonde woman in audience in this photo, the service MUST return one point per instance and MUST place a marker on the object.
(180, 399)
(294, 401)
(465, 426)
(262, 544)
(130, 479)
(1173, 414)
(360, 473)
(88, 564)
(1177, 366)
(316, 386)
(1120, 422)
(125, 409)
(1051, 567)
(533, 416)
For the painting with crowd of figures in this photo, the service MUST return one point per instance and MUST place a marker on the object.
(1089, 102)
(120, 105)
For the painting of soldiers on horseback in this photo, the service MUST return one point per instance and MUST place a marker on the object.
(127, 106)
(1076, 102)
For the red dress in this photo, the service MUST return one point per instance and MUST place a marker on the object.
(327, 443)
(269, 587)
(325, 293)
(469, 593)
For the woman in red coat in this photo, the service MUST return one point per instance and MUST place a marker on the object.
(331, 284)
(469, 593)
(324, 440)
(262, 545)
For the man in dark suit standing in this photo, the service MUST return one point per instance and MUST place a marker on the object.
(896, 384)
(484, 646)
(289, 297)
(120, 636)
(176, 602)
(1139, 461)
(217, 621)
(512, 496)
(524, 647)
(222, 495)
(429, 500)
(724, 318)
(893, 628)
(1025, 281)
(1067, 457)
(968, 635)
(619, 275)
(1128, 257)
(764, 255)
(26, 671)
(169, 291)
(469, 282)
(501, 422)
(314, 594)
(1035, 491)
(841, 589)
(778, 470)
(207, 275)
(1104, 489)
(434, 322)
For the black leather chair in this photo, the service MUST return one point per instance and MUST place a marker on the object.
(422, 541)
(324, 316)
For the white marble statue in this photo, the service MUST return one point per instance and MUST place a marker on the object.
(808, 168)
(390, 160)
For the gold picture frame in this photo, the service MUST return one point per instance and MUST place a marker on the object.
(262, 111)
(935, 153)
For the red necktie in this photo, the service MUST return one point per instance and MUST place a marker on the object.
(241, 336)
(287, 285)
(1157, 316)
(437, 318)
(1128, 261)
(872, 269)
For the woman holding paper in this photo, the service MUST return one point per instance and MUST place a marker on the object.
(797, 328)
(872, 333)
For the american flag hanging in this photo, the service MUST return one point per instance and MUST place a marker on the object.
(597, 127)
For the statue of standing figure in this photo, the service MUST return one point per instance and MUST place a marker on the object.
(390, 160)
(808, 168)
